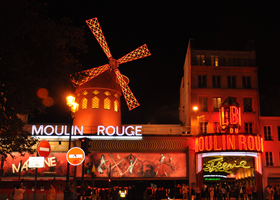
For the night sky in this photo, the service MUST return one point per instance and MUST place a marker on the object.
(166, 28)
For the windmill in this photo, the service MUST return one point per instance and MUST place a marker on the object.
(82, 77)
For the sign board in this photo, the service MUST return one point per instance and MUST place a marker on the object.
(75, 156)
(44, 148)
(36, 162)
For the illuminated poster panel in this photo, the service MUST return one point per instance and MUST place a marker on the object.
(145, 165)
(55, 165)
(236, 167)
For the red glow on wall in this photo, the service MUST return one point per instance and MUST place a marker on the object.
(229, 142)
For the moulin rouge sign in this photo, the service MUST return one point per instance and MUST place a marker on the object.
(62, 131)
(239, 142)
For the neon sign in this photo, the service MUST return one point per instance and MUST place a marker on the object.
(230, 116)
(229, 142)
(62, 131)
(217, 165)
(111, 130)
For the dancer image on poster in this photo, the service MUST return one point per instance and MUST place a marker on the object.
(161, 167)
(100, 167)
(130, 167)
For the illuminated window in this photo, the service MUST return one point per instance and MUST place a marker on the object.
(203, 127)
(215, 60)
(203, 104)
(249, 127)
(202, 81)
(246, 82)
(107, 104)
(217, 127)
(247, 102)
(216, 81)
(107, 93)
(200, 60)
(268, 159)
(85, 92)
(217, 103)
(267, 133)
(116, 106)
(95, 102)
(231, 80)
(95, 92)
(84, 103)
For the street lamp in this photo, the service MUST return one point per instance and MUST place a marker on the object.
(195, 108)
(73, 107)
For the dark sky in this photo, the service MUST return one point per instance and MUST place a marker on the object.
(166, 28)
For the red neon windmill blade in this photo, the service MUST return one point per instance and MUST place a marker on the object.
(87, 75)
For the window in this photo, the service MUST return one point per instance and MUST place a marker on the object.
(203, 127)
(200, 60)
(116, 106)
(278, 133)
(217, 127)
(268, 159)
(217, 103)
(107, 104)
(249, 127)
(84, 103)
(216, 81)
(246, 82)
(248, 105)
(95, 103)
(215, 60)
(267, 133)
(202, 81)
(231, 80)
(203, 104)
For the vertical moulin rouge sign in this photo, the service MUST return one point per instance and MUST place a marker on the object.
(230, 116)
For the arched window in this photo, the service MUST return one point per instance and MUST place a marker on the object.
(95, 102)
(84, 103)
(107, 104)
(116, 106)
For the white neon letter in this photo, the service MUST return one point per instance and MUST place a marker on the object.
(52, 130)
(126, 130)
(100, 129)
(37, 132)
(138, 130)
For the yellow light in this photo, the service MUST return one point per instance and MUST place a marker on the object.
(70, 100)
(195, 108)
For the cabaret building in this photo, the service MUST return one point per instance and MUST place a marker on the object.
(218, 141)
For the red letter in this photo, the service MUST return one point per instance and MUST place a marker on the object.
(230, 142)
(201, 144)
(251, 143)
(208, 145)
(242, 140)
(216, 144)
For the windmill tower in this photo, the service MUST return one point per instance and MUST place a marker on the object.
(99, 89)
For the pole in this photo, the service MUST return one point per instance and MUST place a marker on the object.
(19, 174)
(82, 184)
(35, 184)
(67, 189)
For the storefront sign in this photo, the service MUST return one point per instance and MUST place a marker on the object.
(103, 132)
(217, 165)
(55, 130)
(230, 119)
(212, 143)
(111, 130)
